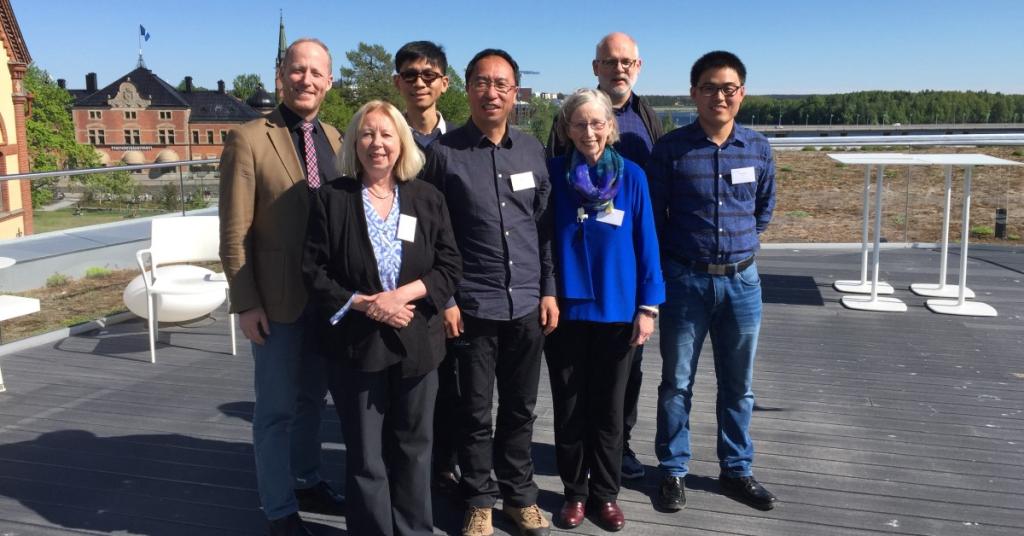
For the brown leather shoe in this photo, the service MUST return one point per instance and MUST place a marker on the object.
(610, 517)
(572, 514)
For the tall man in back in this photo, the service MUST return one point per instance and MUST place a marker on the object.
(617, 66)
(269, 168)
(496, 182)
(421, 79)
(713, 191)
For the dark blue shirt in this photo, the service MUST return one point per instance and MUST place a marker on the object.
(701, 211)
(424, 140)
(504, 235)
(634, 141)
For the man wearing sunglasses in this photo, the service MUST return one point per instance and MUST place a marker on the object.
(712, 191)
(420, 68)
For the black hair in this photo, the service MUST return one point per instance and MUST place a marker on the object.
(488, 52)
(427, 50)
(717, 59)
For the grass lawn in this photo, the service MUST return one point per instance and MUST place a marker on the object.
(65, 218)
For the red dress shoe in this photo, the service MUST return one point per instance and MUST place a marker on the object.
(572, 514)
(610, 517)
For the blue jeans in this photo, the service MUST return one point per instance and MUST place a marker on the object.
(290, 384)
(729, 307)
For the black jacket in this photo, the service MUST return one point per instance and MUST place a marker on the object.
(339, 261)
(559, 147)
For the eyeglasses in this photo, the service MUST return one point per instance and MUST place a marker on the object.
(710, 90)
(409, 76)
(483, 84)
(596, 125)
(626, 63)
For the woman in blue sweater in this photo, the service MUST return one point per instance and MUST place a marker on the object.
(609, 288)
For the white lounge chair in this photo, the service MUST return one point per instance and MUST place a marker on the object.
(13, 307)
(171, 289)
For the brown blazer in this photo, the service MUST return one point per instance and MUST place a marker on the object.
(264, 207)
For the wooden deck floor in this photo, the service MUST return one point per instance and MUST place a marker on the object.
(866, 423)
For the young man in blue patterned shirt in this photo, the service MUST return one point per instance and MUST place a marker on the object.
(713, 191)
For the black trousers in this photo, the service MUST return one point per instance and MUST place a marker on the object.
(589, 364)
(387, 421)
(509, 353)
(636, 377)
(446, 426)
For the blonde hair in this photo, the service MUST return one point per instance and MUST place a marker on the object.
(410, 159)
(578, 99)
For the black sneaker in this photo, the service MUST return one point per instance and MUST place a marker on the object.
(671, 494)
(747, 490)
(321, 499)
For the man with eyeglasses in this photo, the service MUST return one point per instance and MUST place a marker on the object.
(496, 183)
(420, 68)
(713, 192)
(617, 65)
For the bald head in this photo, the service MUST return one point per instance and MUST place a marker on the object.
(616, 65)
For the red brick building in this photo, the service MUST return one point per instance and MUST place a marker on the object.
(139, 118)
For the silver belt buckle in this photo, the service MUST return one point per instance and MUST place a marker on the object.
(718, 269)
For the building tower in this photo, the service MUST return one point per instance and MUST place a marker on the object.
(282, 46)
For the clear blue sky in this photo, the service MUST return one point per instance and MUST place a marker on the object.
(789, 46)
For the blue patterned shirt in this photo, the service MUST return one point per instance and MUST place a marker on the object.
(700, 213)
(387, 247)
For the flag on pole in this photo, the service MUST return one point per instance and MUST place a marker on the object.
(143, 33)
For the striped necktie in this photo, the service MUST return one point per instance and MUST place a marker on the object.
(312, 171)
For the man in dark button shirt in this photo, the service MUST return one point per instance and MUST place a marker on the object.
(712, 191)
(420, 68)
(496, 183)
(268, 169)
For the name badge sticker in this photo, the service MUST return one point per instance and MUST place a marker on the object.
(523, 181)
(743, 175)
(407, 227)
(613, 217)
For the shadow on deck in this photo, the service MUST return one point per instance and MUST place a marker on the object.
(866, 423)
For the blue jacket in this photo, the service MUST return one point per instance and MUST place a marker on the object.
(605, 272)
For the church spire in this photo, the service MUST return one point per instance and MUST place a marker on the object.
(282, 43)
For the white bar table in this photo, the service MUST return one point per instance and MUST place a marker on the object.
(960, 306)
(874, 302)
(863, 286)
(942, 290)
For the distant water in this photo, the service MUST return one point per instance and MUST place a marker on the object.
(678, 118)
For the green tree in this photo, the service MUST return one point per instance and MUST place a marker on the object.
(335, 110)
(666, 123)
(542, 115)
(454, 104)
(245, 85)
(51, 134)
(369, 76)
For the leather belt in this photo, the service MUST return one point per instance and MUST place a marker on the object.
(714, 269)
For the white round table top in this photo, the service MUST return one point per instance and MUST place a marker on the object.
(6, 262)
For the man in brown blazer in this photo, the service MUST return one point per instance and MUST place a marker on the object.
(269, 168)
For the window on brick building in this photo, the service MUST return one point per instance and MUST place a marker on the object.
(195, 137)
(131, 114)
(223, 136)
(132, 137)
(97, 137)
(209, 137)
(165, 136)
(165, 115)
(95, 114)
